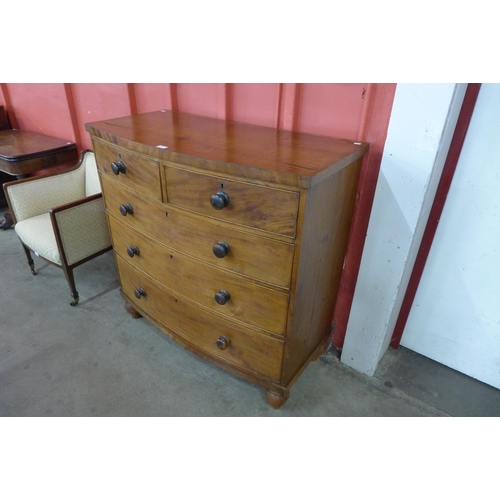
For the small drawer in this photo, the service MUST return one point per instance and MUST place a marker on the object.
(222, 292)
(132, 170)
(269, 209)
(258, 257)
(216, 336)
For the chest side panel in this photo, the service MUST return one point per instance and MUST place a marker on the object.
(325, 232)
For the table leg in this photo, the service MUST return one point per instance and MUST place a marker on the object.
(8, 222)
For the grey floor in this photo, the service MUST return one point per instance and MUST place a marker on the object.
(95, 360)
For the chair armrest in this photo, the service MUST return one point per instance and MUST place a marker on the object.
(81, 229)
(37, 195)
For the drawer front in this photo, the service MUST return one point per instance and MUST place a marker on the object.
(258, 257)
(139, 173)
(248, 349)
(269, 209)
(245, 301)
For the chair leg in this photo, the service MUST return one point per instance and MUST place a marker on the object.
(71, 282)
(27, 251)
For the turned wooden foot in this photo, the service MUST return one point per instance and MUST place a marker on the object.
(130, 309)
(275, 399)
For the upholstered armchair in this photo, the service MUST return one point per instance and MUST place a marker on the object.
(60, 217)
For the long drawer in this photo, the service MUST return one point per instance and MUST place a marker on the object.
(269, 209)
(225, 293)
(135, 171)
(243, 347)
(261, 258)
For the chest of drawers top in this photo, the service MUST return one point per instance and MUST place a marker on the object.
(283, 157)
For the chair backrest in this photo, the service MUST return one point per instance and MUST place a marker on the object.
(92, 184)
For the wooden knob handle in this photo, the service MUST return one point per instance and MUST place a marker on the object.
(133, 250)
(140, 292)
(126, 209)
(221, 249)
(118, 167)
(221, 297)
(222, 342)
(219, 200)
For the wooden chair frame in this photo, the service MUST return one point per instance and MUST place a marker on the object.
(67, 268)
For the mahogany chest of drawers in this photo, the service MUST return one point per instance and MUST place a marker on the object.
(230, 237)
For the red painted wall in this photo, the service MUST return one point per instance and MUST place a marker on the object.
(357, 111)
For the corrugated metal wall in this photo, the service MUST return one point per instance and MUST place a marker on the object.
(358, 111)
(62, 110)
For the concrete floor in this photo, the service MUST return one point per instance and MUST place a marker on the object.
(95, 360)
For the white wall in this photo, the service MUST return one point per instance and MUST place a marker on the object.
(422, 123)
(455, 318)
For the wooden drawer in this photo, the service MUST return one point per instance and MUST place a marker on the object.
(248, 302)
(269, 209)
(248, 349)
(140, 173)
(261, 258)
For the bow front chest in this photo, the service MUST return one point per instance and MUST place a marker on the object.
(230, 237)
